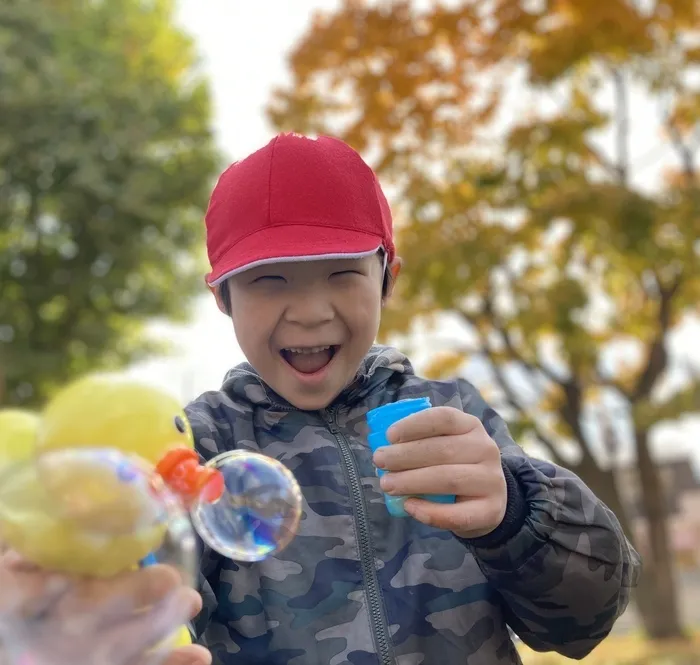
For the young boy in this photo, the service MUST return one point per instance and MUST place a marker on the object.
(299, 237)
(300, 241)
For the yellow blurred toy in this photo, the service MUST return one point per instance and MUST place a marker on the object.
(83, 486)
(18, 431)
(106, 479)
(91, 436)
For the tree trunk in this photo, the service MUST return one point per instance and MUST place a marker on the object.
(660, 618)
(665, 622)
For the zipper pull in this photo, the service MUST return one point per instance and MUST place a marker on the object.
(329, 417)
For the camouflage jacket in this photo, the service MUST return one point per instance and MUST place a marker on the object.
(357, 586)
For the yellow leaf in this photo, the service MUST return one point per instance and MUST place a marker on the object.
(445, 364)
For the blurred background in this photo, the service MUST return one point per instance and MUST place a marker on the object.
(541, 157)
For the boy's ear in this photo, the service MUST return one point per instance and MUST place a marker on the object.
(216, 292)
(394, 269)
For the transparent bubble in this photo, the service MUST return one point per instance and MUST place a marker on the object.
(259, 512)
(93, 512)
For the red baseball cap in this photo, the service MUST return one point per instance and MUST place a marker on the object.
(296, 199)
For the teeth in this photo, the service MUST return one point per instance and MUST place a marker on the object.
(308, 349)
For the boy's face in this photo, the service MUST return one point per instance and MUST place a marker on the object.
(306, 326)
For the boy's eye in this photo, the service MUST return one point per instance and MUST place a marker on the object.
(268, 278)
(346, 272)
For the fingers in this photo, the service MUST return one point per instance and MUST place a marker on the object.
(28, 592)
(472, 480)
(105, 600)
(428, 452)
(438, 421)
(195, 604)
(140, 588)
(471, 517)
(131, 639)
(15, 561)
(125, 619)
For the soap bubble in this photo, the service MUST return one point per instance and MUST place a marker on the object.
(259, 512)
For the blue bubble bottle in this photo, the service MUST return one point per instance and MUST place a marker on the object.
(379, 421)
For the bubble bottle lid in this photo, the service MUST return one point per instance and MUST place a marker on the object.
(383, 417)
(182, 472)
(379, 421)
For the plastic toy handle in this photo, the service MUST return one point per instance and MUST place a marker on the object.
(185, 476)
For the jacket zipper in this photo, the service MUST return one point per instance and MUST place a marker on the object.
(377, 616)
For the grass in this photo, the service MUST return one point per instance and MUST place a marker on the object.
(626, 650)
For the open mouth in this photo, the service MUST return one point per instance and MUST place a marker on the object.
(310, 359)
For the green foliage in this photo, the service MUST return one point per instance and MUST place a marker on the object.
(106, 158)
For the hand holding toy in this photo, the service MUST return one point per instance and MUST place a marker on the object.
(445, 449)
(104, 480)
(379, 421)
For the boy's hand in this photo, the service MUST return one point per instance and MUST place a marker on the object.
(446, 451)
(53, 620)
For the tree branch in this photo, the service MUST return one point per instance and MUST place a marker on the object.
(516, 404)
(533, 367)
(685, 152)
(602, 160)
(611, 441)
(510, 394)
(622, 127)
(657, 358)
(570, 410)
(684, 402)
(609, 382)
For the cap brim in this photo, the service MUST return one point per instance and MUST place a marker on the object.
(292, 242)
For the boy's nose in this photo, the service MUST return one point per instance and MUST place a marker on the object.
(309, 311)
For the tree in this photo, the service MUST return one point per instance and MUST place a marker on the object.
(527, 231)
(106, 156)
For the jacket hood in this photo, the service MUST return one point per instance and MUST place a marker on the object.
(378, 366)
